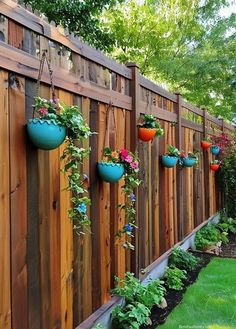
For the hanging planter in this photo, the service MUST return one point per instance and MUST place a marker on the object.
(46, 134)
(188, 160)
(149, 128)
(110, 172)
(170, 159)
(206, 143)
(215, 150)
(55, 123)
(215, 165)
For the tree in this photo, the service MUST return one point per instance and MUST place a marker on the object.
(80, 17)
(185, 45)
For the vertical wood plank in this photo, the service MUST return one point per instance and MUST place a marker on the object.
(18, 199)
(44, 228)
(3, 29)
(5, 254)
(66, 238)
(15, 34)
(33, 252)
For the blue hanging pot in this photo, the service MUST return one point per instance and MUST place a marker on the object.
(215, 150)
(169, 161)
(45, 134)
(188, 162)
(110, 172)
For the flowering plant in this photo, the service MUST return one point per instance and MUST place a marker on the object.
(149, 121)
(131, 182)
(223, 141)
(73, 155)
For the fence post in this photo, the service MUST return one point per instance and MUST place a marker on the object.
(179, 142)
(206, 168)
(134, 93)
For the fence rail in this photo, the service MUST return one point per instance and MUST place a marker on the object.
(61, 278)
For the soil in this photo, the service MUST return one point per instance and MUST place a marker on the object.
(173, 297)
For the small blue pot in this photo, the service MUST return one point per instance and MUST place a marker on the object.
(215, 149)
(45, 134)
(188, 162)
(110, 172)
(169, 161)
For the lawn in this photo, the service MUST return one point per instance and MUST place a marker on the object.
(210, 303)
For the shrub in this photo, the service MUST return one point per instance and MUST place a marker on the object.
(174, 278)
(182, 259)
(209, 236)
(139, 299)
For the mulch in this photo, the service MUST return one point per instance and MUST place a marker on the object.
(173, 297)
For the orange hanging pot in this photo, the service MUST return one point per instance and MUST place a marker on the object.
(146, 134)
(205, 145)
(214, 167)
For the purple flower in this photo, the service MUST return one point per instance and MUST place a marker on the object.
(128, 228)
(132, 197)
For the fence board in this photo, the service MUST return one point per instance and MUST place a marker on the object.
(18, 202)
(5, 256)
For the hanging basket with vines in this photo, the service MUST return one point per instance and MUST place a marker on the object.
(53, 123)
(115, 165)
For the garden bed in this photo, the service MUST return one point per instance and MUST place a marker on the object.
(174, 297)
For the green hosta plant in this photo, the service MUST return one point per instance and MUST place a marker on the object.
(174, 278)
(227, 224)
(182, 259)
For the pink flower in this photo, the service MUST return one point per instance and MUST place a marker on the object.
(43, 111)
(124, 153)
(129, 158)
(134, 165)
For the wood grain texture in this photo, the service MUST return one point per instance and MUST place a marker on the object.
(18, 202)
(33, 251)
(5, 255)
(66, 239)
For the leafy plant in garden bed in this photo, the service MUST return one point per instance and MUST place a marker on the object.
(174, 278)
(227, 224)
(209, 236)
(130, 164)
(139, 299)
(149, 127)
(182, 259)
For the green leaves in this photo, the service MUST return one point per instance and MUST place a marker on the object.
(139, 299)
(174, 278)
(184, 260)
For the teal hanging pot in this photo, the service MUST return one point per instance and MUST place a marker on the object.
(110, 172)
(169, 161)
(45, 134)
(215, 150)
(188, 162)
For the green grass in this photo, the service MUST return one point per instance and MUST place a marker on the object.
(210, 303)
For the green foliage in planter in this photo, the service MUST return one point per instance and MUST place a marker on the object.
(182, 259)
(174, 278)
(209, 235)
(138, 299)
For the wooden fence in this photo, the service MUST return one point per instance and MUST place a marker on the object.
(49, 277)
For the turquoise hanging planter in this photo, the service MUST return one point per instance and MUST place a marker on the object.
(110, 172)
(169, 161)
(188, 162)
(45, 134)
(215, 150)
